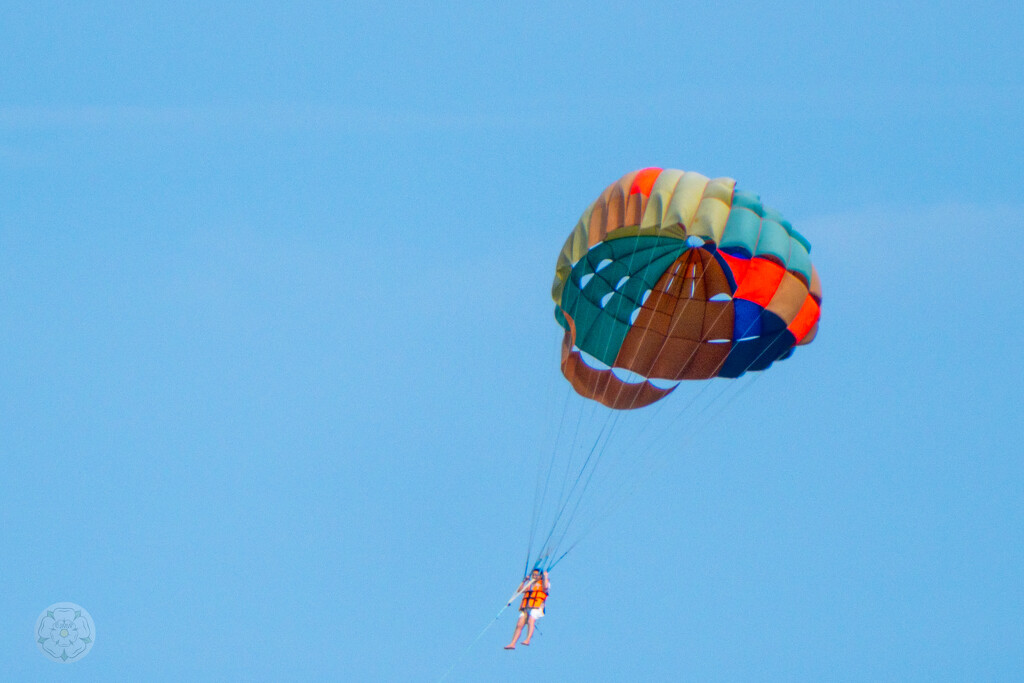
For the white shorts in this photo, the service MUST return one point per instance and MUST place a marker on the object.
(535, 613)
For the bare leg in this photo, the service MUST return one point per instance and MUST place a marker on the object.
(529, 630)
(519, 629)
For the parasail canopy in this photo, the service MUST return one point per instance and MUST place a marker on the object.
(672, 276)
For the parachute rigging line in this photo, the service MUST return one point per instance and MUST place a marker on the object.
(652, 466)
(661, 348)
(538, 497)
(616, 499)
(563, 503)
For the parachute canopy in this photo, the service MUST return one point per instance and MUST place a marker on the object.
(670, 275)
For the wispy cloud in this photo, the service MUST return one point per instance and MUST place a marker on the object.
(877, 101)
(273, 117)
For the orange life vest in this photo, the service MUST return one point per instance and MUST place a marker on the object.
(534, 596)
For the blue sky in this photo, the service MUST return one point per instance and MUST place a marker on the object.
(280, 354)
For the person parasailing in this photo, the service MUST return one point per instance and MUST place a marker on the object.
(535, 590)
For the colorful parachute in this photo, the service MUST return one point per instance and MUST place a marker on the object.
(670, 275)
